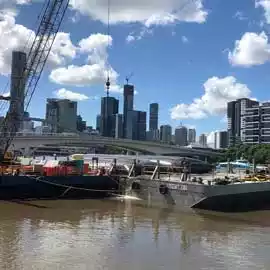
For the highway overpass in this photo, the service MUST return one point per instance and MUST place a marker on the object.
(27, 142)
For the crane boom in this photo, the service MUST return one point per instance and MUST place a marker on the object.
(50, 22)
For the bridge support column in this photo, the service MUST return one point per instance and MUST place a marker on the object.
(129, 153)
(27, 151)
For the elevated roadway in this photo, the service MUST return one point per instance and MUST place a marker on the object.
(31, 141)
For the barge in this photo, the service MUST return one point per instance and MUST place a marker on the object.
(182, 191)
(57, 180)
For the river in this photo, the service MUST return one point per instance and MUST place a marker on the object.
(119, 235)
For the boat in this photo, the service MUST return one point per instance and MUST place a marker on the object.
(54, 179)
(199, 192)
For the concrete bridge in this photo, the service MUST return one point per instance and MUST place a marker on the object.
(28, 142)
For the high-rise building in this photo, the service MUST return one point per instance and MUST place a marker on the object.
(265, 122)
(191, 135)
(257, 124)
(181, 136)
(166, 133)
(203, 140)
(153, 116)
(236, 124)
(118, 126)
(81, 125)
(98, 122)
(152, 135)
(128, 106)
(109, 108)
(221, 140)
(61, 115)
(136, 126)
(17, 89)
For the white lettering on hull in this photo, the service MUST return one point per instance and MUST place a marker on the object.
(180, 187)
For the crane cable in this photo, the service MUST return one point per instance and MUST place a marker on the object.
(108, 84)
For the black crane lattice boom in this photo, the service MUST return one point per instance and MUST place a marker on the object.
(50, 20)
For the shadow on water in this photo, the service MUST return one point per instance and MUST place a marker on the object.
(50, 210)
(74, 211)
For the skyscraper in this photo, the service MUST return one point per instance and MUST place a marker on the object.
(136, 126)
(108, 110)
(203, 140)
(61, 115)
(17, 88)
(181, 136)
(128, 106)
(118, 126)
(153, 116)
(221, 139)
(191, 135)
(81, 124)
(166, 133)
(236, 111)
(98, 122)
(257, 124)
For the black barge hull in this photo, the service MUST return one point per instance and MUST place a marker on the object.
(56, 187)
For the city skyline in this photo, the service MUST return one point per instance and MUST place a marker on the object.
(181, 66)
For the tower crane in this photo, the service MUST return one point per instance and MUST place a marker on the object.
(129, 77)
(50, 21)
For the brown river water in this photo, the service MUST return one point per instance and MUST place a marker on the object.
(118, 235)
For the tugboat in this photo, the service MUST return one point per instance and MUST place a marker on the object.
(185, 191)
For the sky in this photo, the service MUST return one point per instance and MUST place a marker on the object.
(190, 56)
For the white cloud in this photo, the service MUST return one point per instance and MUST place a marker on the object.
(184, 39)
(144, 31)
(148, 12)
(240, 16)
(96, 46)
(252, 49)
(265, 4)
(217, 92)
(62, 49)
(95, 71)
(130, 38)
(86, 75)
(17, 37)
(67, 94)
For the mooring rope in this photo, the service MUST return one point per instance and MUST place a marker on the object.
(68, 187)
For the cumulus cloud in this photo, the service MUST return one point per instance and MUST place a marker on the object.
(17, 37)
(67, 94)
(86, 75)
(217, 92)
(252, 49)
(265, 4)
(95, 71)
(130, 38)
(96, 46)
(148, 12)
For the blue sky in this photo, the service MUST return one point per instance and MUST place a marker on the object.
(190, 56)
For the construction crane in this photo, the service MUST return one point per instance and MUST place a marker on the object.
(129, 77)
(51, 17)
